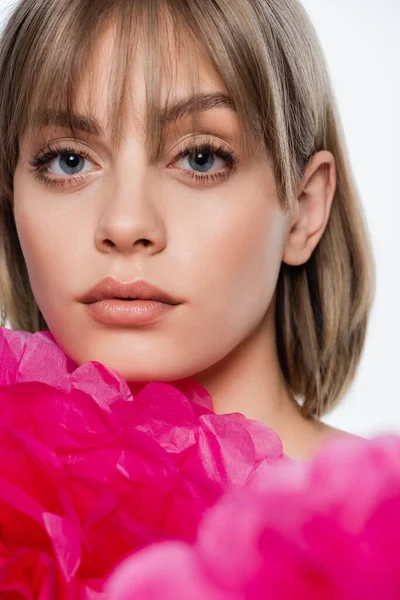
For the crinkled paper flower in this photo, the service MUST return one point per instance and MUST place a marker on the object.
(324, 529)
(93, 469)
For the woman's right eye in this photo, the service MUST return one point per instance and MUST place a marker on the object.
(68, 164)
(60, 166)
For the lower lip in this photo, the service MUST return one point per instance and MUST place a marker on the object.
(129, 312)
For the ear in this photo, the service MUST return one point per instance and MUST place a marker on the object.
(311, 209)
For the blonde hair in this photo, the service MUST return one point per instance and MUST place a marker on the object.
(268, 56)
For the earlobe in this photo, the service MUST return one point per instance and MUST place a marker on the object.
(311, 209)
(296, 251)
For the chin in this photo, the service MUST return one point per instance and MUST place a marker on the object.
(145, 368)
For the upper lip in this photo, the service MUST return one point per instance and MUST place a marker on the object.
(138, 290)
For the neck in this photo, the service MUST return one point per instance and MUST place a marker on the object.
(250, 381)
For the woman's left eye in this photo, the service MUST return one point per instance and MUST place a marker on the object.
(208, 163)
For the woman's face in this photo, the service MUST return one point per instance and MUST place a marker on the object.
(214, 241)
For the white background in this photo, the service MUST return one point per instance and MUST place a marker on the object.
(361, 42)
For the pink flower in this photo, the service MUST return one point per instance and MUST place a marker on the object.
(92, 469)
(329, 528)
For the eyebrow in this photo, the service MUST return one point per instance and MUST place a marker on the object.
(170, 114)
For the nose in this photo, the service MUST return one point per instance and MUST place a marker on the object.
(130, 218)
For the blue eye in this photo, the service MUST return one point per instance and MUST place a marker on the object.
(202, 157)
(201, 160)
(71, 162)
(64, 164)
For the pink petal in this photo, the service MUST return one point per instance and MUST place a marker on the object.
(167, 572)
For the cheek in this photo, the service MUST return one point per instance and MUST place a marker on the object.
(47, 246)
(241, 257)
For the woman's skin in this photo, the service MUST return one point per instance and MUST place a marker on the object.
(217, 246)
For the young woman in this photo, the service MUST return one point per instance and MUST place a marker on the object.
(189, 156)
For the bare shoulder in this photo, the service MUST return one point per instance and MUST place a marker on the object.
(318, 434)
(305, 440)
(327, 431)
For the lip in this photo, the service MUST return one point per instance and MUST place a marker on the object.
(112, 289)
(129, 312)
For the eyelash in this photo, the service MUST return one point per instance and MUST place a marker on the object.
(40, 161)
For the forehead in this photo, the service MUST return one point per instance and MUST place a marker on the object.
(184, 69)
(143, 83)
(178, 99)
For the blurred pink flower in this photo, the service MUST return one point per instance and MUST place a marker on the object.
(93, 469)
(328, 528)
